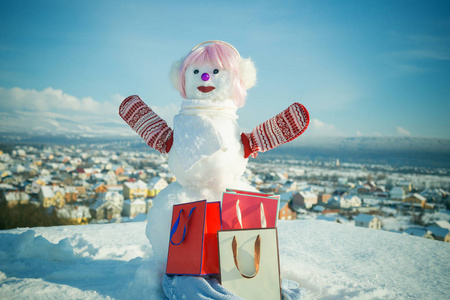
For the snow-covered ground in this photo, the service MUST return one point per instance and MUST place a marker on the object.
(329, 260)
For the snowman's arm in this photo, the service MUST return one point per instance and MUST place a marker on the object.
(283, 128)
(142, 119)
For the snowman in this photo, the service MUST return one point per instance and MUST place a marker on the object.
(207, 150)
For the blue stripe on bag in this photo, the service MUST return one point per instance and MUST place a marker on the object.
(175, 226)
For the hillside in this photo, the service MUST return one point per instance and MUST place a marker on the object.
(394, 151)
(329, 260)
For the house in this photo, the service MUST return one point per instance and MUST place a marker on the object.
(60, 196)
(397, 193)
(350, 201)
(81, 190)
(324, 197)
(155, 185)
(47, 197)
(367, 221)
(134, 207)
(76, 215)
(418, 199)
(420, 232)
(135, 189)
(15, 197)
(35, 186)
(113, 197)
(415, 198)
(103, 209)
(286, 212)
(440, 234)
(70, 194)
(441, 224)
(103, 187)
(304, 200)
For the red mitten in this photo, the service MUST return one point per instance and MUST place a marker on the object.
(142, 119)
(283, 128)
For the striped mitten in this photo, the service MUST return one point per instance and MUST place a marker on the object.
(142, 119)
(283, 128)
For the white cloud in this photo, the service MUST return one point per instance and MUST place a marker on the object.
(402, 131)
(53, 111)
(319, 128)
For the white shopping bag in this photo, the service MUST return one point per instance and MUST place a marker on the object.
(249, 262)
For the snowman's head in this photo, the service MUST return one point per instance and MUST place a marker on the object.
(214, 70)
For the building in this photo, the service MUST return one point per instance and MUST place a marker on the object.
(419, 232)
(286, 212)
(350, 201)
(304, 200)
(415, 198)
(135, 189)
(439, 234)
(367, 221)
(76, 215)
(134, 207)
(324, 197)
(13, 198)
(47, 197)
(70, 194)
(105, 210)
(397, 193)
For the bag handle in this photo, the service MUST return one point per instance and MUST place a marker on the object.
(175, 226)
(257, 256)
(262, 215)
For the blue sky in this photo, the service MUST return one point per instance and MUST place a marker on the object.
(362, 68)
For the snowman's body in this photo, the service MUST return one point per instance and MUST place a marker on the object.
(207, 151)
(209, 132)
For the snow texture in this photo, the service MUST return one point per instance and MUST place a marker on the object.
(115, 261)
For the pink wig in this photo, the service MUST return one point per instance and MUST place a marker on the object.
(217, 54)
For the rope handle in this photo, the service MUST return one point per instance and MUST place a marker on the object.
(175, 226)
(262, 215)
(257, 256)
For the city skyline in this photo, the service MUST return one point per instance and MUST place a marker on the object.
(361, 69)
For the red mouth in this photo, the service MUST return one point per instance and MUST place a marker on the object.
(205, 89)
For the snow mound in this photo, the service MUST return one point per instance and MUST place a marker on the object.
(115, 261)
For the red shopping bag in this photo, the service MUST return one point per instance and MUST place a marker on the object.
(193, 248)
(245, 210)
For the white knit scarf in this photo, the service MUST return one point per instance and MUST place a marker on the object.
(225, 108)
(195, 136)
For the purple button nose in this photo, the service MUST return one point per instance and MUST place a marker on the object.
(205, 76)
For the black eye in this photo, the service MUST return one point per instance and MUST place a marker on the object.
(195, 71)
(215, 71)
